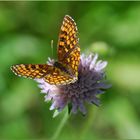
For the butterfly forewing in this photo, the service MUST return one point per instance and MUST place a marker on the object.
(32, 70)
(68, 45)
(49, 73)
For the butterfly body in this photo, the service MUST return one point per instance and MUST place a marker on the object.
(65, 70)
(62, 68)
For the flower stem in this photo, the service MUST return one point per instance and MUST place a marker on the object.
(90, 119)
(60, 127)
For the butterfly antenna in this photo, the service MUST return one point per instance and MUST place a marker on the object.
(52, 47)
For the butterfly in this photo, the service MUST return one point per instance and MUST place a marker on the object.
(65, 69)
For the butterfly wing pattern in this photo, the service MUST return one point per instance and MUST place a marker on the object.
(63, 72)
(68, 52)
(68, 45)
(32, 70)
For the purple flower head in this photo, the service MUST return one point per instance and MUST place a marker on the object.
(91, 82)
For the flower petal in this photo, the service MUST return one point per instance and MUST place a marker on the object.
(93, 62)
(100, 65)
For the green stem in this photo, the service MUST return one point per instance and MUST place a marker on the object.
(60, 127)
(89, 122)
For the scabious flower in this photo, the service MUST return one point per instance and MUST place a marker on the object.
(91, 82)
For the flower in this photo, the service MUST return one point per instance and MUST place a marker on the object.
(91, 82)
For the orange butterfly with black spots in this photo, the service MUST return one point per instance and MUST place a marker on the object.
(65, 70)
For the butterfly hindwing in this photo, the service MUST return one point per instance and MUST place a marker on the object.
(58, 78)
(72, 62)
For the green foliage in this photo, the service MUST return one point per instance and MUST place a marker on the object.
(110, 28)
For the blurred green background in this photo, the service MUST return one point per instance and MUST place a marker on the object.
(111, 29)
